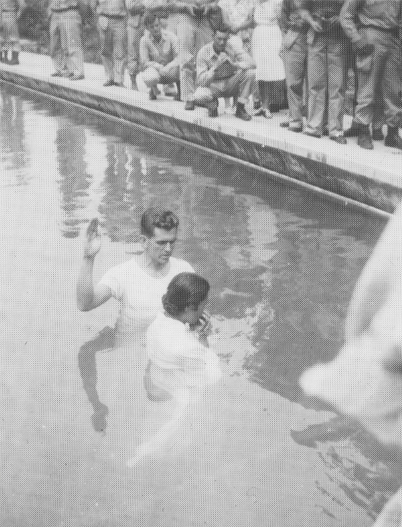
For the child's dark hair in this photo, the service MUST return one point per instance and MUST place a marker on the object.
(184, 290)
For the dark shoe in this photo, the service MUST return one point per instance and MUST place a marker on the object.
(14, 59)
(76, 77)
(338, 139)
(56, 74)
(325, 132)
(393, 138)
(242, 114)
(119, 84)
(296, 128)
(257, 105)
(364, 138)
(377, 134)
(190, 105)
(353, 131)
(213, 108)
(313, 134)
(152, 95)
(109, 83)
(284, 124)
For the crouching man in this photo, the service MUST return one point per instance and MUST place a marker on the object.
(224, 69)
(159, 51)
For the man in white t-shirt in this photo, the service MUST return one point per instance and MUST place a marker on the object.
(139, 283)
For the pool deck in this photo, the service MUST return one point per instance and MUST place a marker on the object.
(372, 178)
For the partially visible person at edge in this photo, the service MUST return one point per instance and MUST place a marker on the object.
(224, 69)
(66, 47)
(294, 54)
(135, 31)
(159, 50)
(112, 28)
(374, 29)
(364, 381)
(139, 283)
(10, 12)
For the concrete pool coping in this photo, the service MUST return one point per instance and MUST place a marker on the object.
(372, 178)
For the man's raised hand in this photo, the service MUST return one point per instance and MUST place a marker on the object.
(93, 239)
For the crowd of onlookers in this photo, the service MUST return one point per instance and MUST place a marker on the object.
(242, 51)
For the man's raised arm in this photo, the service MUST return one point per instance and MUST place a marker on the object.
(88, 295)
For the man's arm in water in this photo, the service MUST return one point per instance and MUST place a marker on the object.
(380, 276)
(88, 295)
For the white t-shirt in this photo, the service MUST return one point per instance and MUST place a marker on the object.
(139, 293)
(170, 346)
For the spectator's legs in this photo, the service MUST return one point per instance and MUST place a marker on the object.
(119, 49)
(73, 31)
(106, 44)
(56, 51)
(295, 61)
(391, 90)
(134, 34)
(11, 35)
(317, 80)
(336, 84)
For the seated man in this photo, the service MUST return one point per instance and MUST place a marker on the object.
(224, 69)
(159, 56)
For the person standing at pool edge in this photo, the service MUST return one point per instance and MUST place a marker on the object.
(139, 283)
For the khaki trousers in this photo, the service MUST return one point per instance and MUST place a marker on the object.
(193, 34)
(113, 40)
(9, 36)
(66, 41)
(379, 80)
(241, 85)
(294, 55)
(326, 72)
(134, 34)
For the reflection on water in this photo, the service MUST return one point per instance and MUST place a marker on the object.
(282, 264)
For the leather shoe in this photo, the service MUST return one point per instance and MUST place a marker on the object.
(76, 77)
(377, 134)
(353, 131)
(296, 128)
(338, 139)
(393, 138)
(56, 74)
(108, 83)
(242, 114)
(284, 124)
(189, 105)
(313, 134)
(119, 84)
(364, 140)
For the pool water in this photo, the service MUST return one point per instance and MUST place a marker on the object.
(282, 263)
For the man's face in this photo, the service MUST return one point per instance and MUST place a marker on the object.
(220, 40)
(160, 246)
(155, 29)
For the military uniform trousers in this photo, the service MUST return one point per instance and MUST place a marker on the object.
(241, 85)
(113, 40)
(326, 74)
(135, 31)
(193, 34)
(9, 36)
(294, 54)
(66, 41)
(379, 79)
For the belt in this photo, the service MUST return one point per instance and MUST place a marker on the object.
(392, 30)
(65, 9)
(112, 16)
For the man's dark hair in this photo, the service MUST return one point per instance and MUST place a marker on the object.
(155, 217)
(221, 28)
(149, 18)
(184, 290)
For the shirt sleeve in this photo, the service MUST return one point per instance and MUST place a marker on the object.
(113, 280)
(347, 19)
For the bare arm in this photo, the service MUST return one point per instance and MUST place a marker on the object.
(88, 295)
(379, 278)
